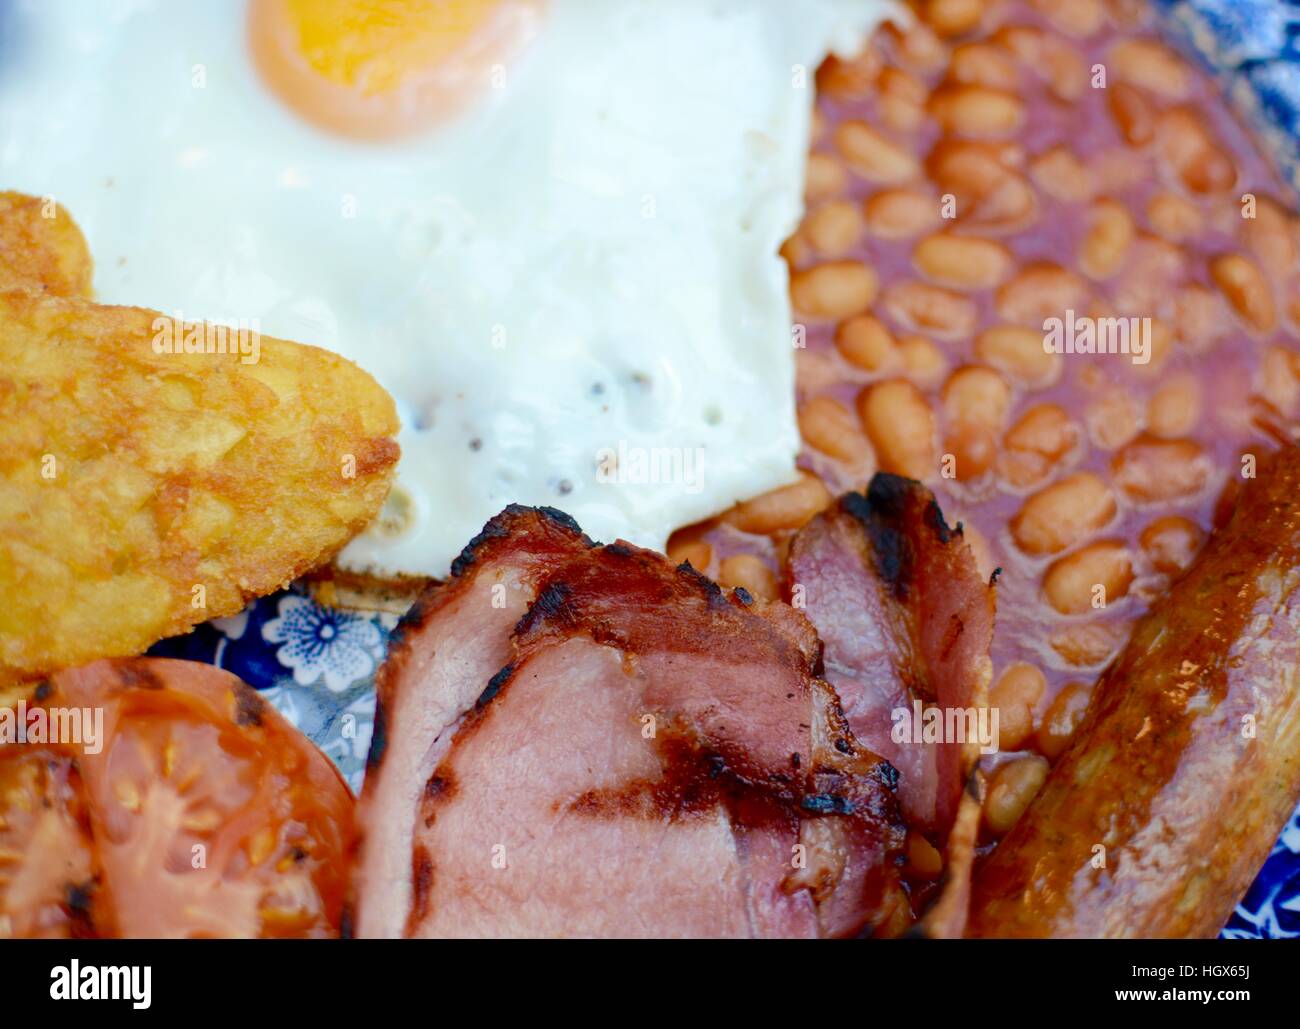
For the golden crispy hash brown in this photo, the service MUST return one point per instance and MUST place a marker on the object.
(142, 492)
(41, 247)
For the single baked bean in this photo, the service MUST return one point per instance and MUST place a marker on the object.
(900, 98)
(923, 860)
(1063, 67)
(1175, 218)
(1072, 583)
(975, 402)
(1201, 317)
(1150, 469)
(747, 572)
(1131, 15)
(1045, 429)
(1063, 514)
(695, 551)
(1171, 542)
(865, 342)
(1133, 112)
(1061, 175)
(976, 111)
(972, 169)
(963, 262)
(1118, 169)
(1151, 65)
(816, 371)
(834, 228)
(849, 79)
(952, 17)
(1106, 243)
(1041, 290)
(1246, 289)
(1161, 343)
(1015, 694)
(836, 290)
(1088, 644)
(1154, 270)
(1062, 718)
(787, 507)
(1278, 380)
(900, 425)
(1009, 207)
(900, 213)
(832, 428)
(1040, 438)
(1078, 18)
(1174, 409)
(923, 362)
(1011, 788)
(983, 179)
(1018, 352)
(797, 251)
(1113, 419)
(1023, 42)
(977, 396)
(1189, 150)
(825, 177)
(918, 47)
(874, 157)
(932, 309)
(1269, 237)
(983, 64)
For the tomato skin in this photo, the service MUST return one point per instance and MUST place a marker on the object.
(202, 812)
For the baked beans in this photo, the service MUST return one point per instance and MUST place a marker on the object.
(833, 290)
(1169, 543)
(1036, 443)
(788, 507)
(900, 213)
(932, 309)
(866, 342)
(1011, 788)
(747, 572)
(1246, 289)
(1063, 514)
(1015, 695)
(834, 228)
(873, 156)
(967, 184)
(1151, 469)
(1018, 353)
(1061, 175)
(1110, 234)
(1090, 578)
(831, 427)
(924, 363)
(900, 425)
(962, 262)
(1061, 719)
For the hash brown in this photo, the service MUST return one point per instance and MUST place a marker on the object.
(142, 493)
(42, 248)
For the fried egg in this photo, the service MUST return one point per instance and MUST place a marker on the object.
(550, 228)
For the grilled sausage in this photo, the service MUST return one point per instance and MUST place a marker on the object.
(1187, 762)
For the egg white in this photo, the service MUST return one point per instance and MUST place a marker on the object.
(573, 292)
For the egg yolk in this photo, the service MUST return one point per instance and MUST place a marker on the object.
(381, 69)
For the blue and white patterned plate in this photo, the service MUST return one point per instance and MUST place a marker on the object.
(317, 665)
